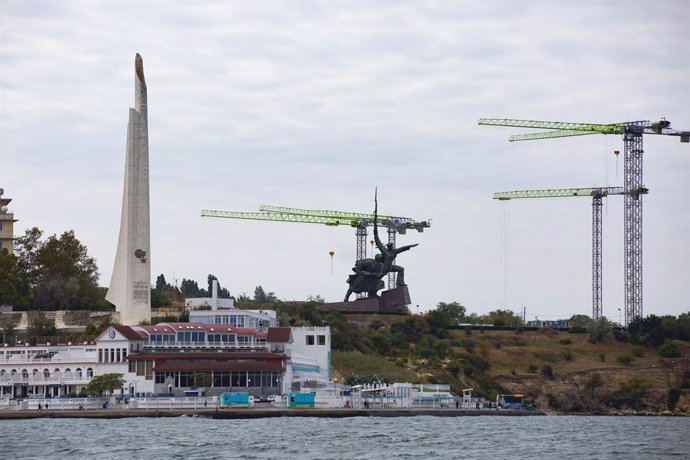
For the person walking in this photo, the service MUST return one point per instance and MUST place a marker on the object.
(40, 407)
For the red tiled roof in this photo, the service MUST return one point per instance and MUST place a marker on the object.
(278, 334)
(221, 366)
(128, 332)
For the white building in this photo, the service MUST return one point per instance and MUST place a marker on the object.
(169, 358)
(255, 319)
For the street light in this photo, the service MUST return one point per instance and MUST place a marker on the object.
(619, 317)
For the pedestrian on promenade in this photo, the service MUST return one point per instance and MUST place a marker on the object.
(40, 407)
(457, 404)
(46, 405)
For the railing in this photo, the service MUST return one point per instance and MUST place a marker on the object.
(41, 380)
(205, 344)
(210, 402)
(21, 359)
(60, 404)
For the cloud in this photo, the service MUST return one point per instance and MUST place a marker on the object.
(308, 104)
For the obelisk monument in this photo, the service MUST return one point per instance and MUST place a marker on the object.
(129, 289)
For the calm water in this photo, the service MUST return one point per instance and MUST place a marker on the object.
(375, 438)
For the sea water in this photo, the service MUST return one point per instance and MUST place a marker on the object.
(550, 437)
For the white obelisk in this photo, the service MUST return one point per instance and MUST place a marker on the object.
(130, 289)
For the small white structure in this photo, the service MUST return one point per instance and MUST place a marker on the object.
(130, 285)
(255, 319)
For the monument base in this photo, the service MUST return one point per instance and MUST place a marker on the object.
(391, 301)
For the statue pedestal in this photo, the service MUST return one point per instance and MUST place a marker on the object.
(391, 301)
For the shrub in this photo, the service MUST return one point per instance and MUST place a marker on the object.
(637, 352)
(469, 345)
(565, 342)
(601, 331)
(625, 358)
(547, 356)
(673, 398)
(547, 371)
(602, 356)
(567, 355)
(669, 350)
(532, 368)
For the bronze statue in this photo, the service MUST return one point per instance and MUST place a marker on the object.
(368, 272)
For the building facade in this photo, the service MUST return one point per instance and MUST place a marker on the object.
(7, 221)
(171, 359)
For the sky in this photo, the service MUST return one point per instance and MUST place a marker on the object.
(314, 104)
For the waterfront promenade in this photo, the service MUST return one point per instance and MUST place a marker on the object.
(244, 413)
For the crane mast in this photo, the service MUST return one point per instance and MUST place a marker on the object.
(597, 193)
(632, 159)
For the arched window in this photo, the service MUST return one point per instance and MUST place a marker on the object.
(2, 373)
(25, 374)
(68, 373)
(77, 372)
(46, 373)
(89, 372)
(56, 372)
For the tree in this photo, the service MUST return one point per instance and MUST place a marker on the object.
(189, 288)
(600, 330)
(500, 318)
(41, 327)
(161, 284)
(55, 274)
(201, 379)
(106, 383)
(158, 299)
(8, 278)
(582, 322)
(210, 280)
(454, 310)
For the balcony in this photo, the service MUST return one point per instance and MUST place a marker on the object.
(206, 345)
(40, 379)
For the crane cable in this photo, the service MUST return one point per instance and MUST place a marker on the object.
(331, 252)
(504, 249)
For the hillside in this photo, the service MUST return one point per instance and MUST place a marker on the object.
(561, 372)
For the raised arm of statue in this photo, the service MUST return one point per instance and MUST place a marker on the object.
(405, 248)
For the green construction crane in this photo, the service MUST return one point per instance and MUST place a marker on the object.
(632, 133)
(597, 193)
(360, 221)
(394, 225)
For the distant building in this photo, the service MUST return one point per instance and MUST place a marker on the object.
(7, 221)
(170, 358)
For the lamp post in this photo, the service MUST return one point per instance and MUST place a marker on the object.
(619, 317)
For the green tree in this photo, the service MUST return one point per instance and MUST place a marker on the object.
(158, 299)
(57, 273)
(260, 296)
(189, 288)
(582, 322)
(161, 284)
(106, 383)
(500, 318)
(454, 310)
(9, 294)
(600, 330)
(201, 379)
(41, 327)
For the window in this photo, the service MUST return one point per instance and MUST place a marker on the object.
(0, 230)
(322, 340)
(310, 340)
(89, 372)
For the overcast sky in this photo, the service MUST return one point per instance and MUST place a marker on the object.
(314, 104)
